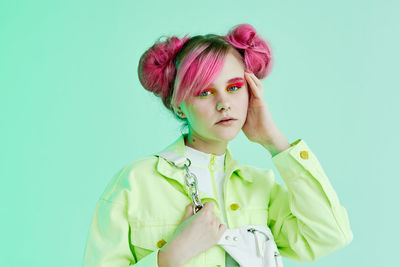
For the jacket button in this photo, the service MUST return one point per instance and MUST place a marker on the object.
(304, 154)
(234, 206)
(161, 243)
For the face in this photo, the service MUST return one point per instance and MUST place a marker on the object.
(231, 91)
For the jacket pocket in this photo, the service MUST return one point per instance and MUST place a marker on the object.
(148, 237)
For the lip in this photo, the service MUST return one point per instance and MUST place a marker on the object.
(225, 118)
(226, 123)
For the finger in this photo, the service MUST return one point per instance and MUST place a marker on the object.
(217, 221)
(251, 80)
(253, 85)
(209, 205)
(222, 228)
(207, 209)
(256, 80)
(189, 208)
(188, 212)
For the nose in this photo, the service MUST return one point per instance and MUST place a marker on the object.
(224, 101)
(223, 104)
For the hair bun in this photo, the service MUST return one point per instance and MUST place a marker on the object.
(156, 68)
(256, 51)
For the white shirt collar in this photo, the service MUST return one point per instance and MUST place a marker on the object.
(203, 159)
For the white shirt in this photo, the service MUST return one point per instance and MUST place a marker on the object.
(210, 170)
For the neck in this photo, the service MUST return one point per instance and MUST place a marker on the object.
(207, 146)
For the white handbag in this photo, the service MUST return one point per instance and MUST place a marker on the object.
(249, 245)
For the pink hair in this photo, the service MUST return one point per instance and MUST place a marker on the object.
(196, 72)
(177, 68)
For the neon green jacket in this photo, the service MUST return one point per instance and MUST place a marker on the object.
(142, 205)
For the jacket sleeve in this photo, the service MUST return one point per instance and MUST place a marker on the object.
(108, 243)
(305, 215)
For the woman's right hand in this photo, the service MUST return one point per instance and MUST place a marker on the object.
(195, 234)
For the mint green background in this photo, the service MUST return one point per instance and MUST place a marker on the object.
(73, 112)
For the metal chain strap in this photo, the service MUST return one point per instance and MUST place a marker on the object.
(191, 182)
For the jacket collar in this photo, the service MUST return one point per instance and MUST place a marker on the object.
(178, 146)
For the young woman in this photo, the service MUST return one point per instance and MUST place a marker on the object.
(149, 215)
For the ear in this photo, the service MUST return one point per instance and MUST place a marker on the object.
(179, 112)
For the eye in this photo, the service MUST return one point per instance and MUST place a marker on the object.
(234, 87)
(203, 93)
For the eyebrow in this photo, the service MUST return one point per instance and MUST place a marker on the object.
(236, 79)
